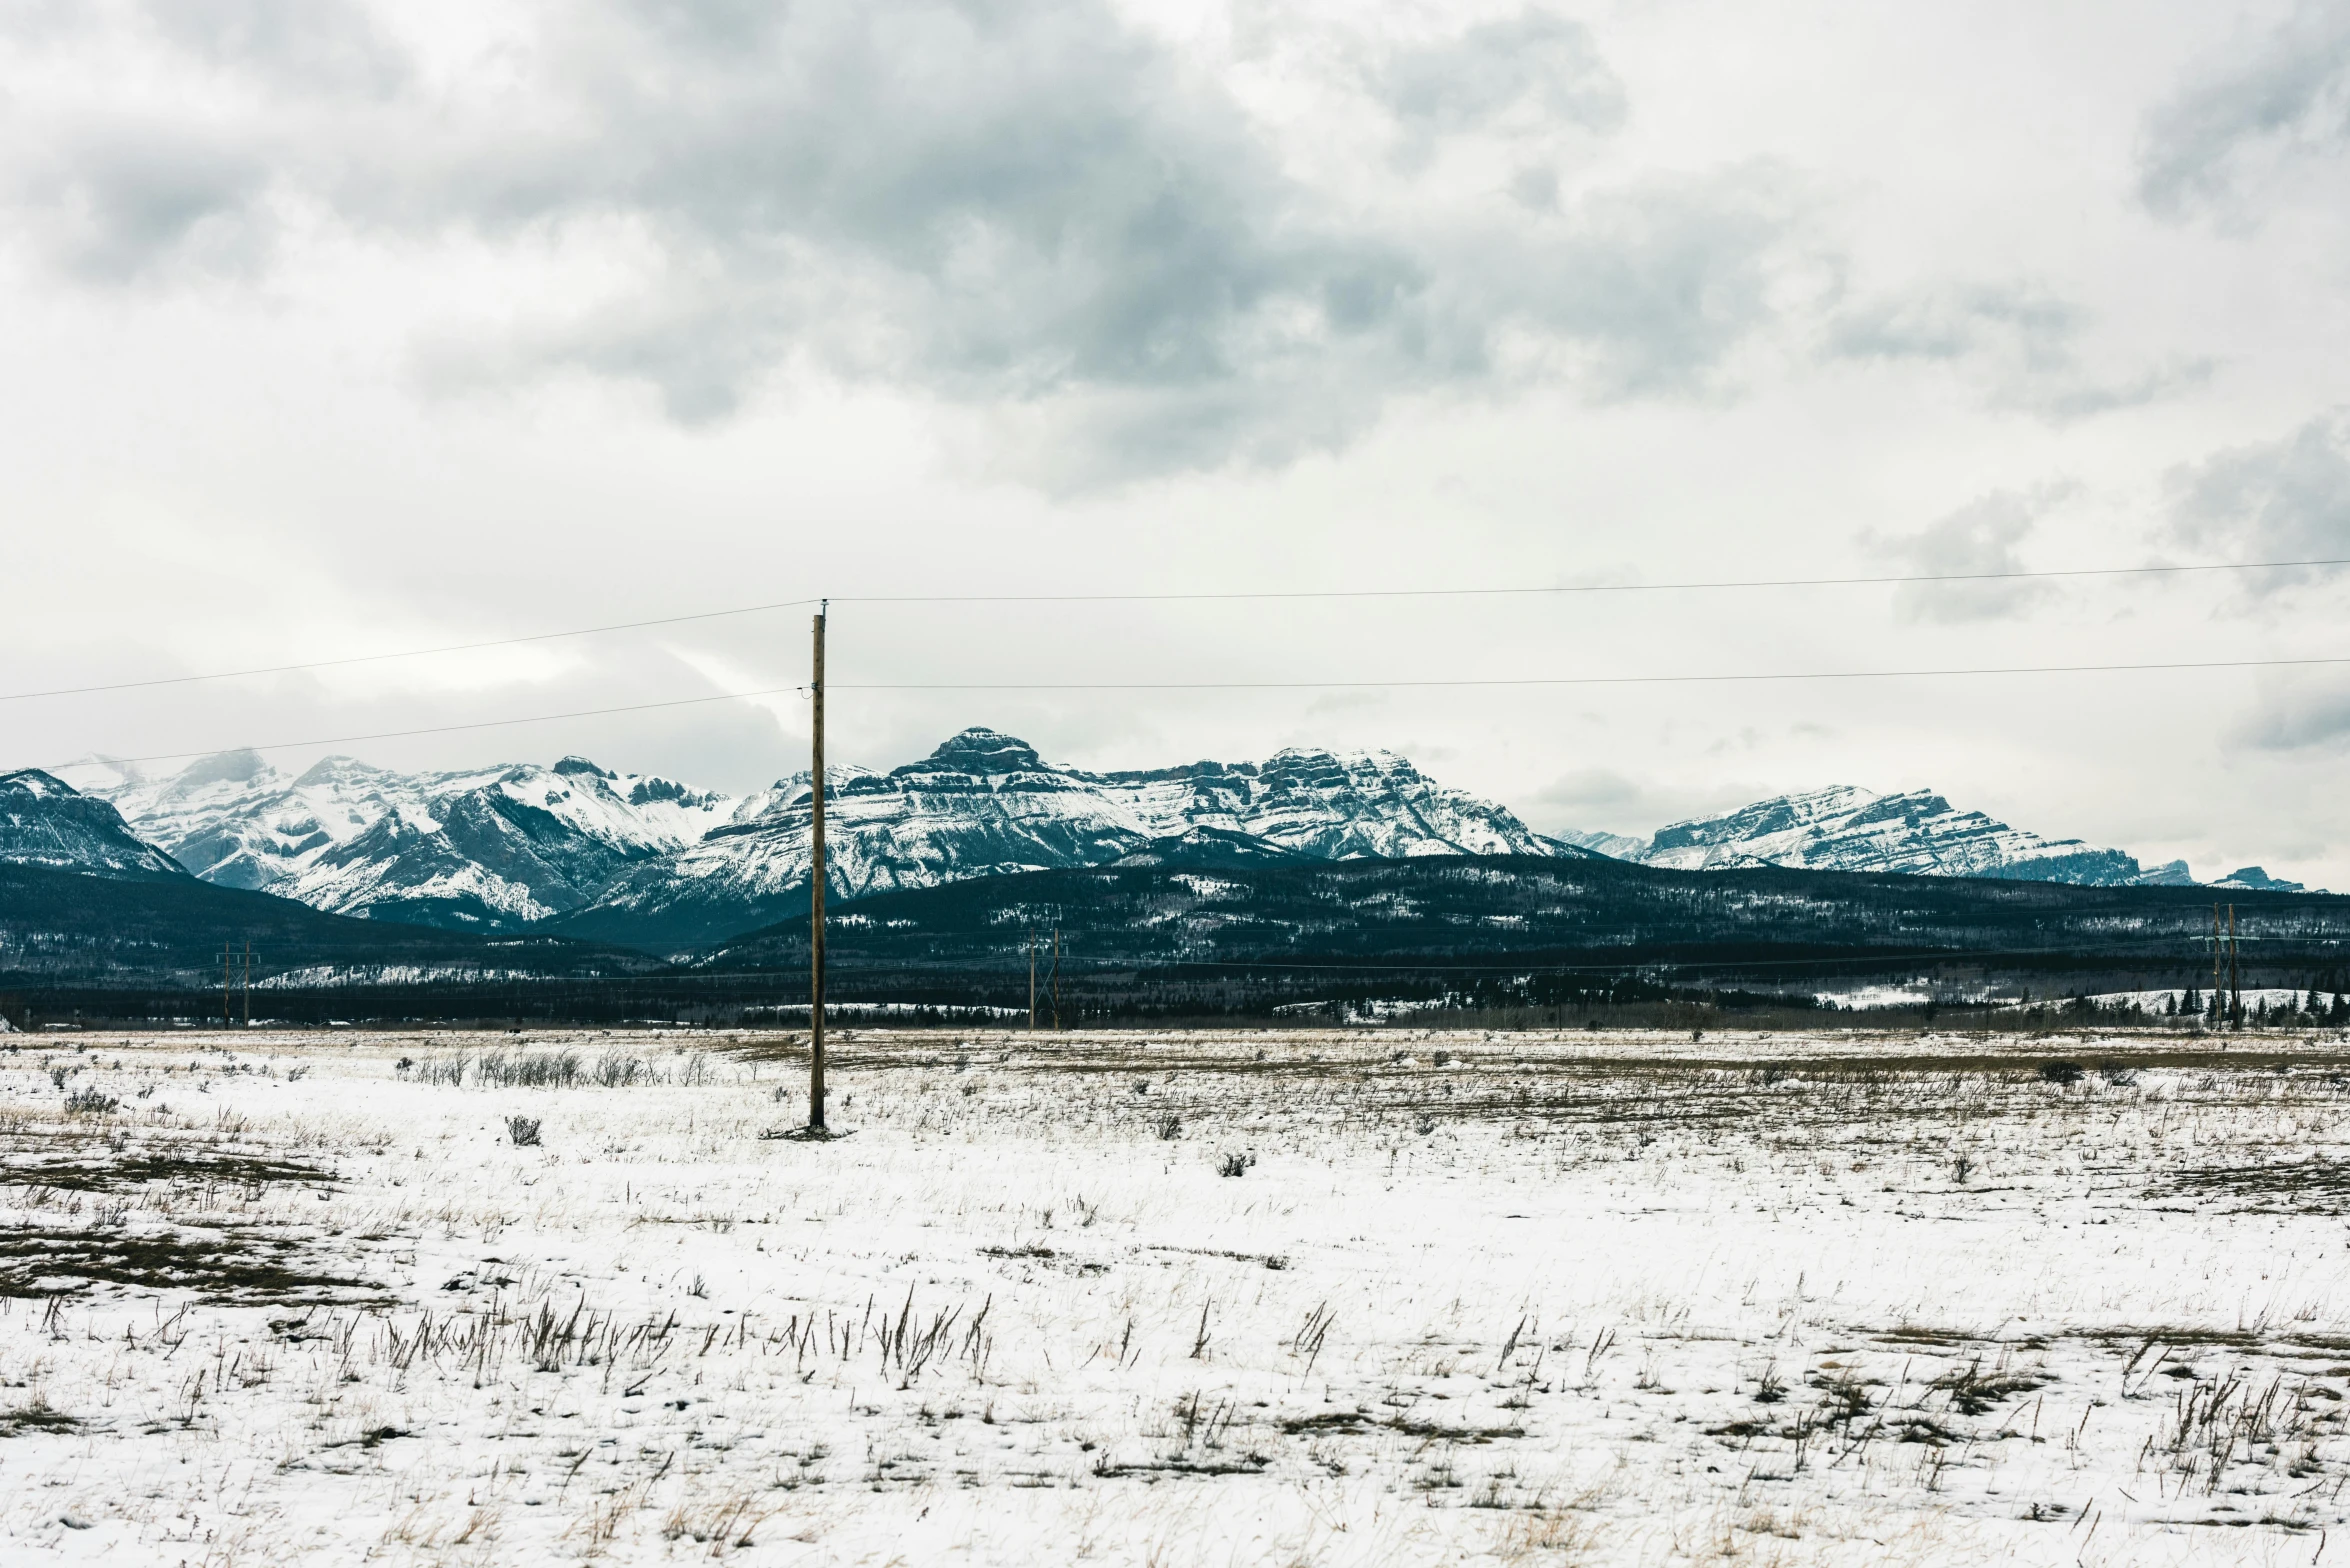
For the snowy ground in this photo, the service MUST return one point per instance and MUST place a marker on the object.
(1520, 1299)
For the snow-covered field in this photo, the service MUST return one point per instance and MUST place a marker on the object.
(1289, 1298)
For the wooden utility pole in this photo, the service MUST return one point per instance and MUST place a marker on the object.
(228, 952)
(2235, 974)
(1056, 979)
(247, 988)
(1032, 981)
(816, 885)
(2219, 1011)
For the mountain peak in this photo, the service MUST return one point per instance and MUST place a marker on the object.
(1844, 828)
(223, 767)
(35, 783)
(982, 750)
(573, 766)
(2254, 878)
(338, 768)
(45, 821)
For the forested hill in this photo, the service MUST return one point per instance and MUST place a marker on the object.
(1507, 910)
(58, 926)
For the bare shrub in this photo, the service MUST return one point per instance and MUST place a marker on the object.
(527, 1070)
(619, 1070)
(524, 1130)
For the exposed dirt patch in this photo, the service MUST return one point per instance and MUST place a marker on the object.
(237, 1265)
(184, 1165)
(1356, 1421)
(2316, 1185)
(36, 1417)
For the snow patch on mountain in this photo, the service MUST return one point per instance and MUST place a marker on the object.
(985, 804)
(1616, 846)
(1917, 833)
(489, 846)
(45, 821)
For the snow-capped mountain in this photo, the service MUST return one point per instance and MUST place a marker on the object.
(1848, 829)
(622, 854)
(643, 859)
(46, 822)
(984, 803)
(496, 846)
(2252, 879)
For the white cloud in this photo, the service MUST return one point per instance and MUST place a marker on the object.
(1029, 204)
(1980, 539)
(2257, 114)
(2286, 499)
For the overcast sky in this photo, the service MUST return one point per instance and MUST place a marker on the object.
(335, 328)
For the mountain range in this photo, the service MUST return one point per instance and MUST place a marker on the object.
(1915, 834)
(577, 849)
(984, 804)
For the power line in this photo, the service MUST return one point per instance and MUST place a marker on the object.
(1139, 598)
(1596, 680)
(407, 653)
(1402, 685)
(1674, 587)
(446, 729)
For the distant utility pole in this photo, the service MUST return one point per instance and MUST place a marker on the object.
(1032, 980)
(816, 886)
(228, 953)
(2219, 1006)
(1056, 979)
(248, 986)
(2235, 974)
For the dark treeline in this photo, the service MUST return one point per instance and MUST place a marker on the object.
(1553, 943)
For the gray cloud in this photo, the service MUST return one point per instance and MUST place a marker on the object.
(2282, 100)
(1533, 61)
(1979, 537)
(123, 200)
(1031, 207)
(314, 46)
(1606, 800)
(2287, 499)
(1654, 287)
(2023, 341)
(2297, 715)
(1596, 792)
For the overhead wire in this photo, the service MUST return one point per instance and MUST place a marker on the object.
(1597, 680)
(406, 653)
(1558, 681)
(1891, 579)
(445, 729)
(1233, 595)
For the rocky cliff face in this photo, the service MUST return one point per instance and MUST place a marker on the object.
(490, 847)
(1920, 833)
(638, 858)
(46, 822)
(626, 855)
(984, 804)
